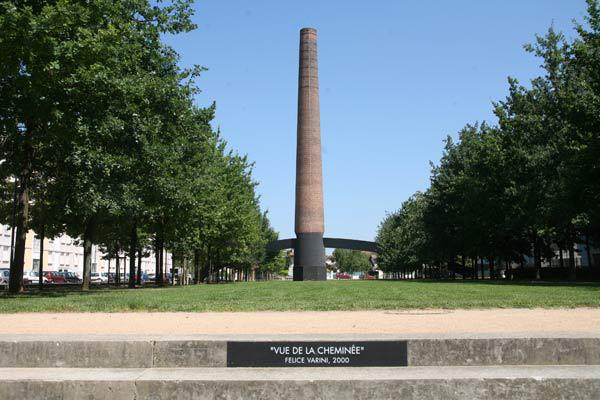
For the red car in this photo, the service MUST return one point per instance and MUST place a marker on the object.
(342, 275)
(55, 277)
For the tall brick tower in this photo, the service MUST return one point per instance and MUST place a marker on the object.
(309, 251)
(309, 244)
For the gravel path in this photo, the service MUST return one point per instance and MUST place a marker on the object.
(581, 321)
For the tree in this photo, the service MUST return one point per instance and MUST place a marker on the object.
(403, 239)
(522, 188)
(69, 99)
(98, 126)
(351, 260)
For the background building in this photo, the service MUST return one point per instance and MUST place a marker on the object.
(64, 253)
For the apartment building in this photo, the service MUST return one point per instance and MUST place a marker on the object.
(65, 253)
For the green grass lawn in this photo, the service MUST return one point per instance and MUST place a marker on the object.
(319, 296)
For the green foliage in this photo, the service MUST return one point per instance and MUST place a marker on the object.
(521, 188)
(402, 237)
(99, 127)
(351, 260)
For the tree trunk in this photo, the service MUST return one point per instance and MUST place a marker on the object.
(209, 268)
(41, 266)
(118, 269)
(156, 261)
(522, 262)
(13, 225)
(454, 265)
(562, 263)
(87, 253)
(587, 250)
(537, 259)
(571, 262)
(482, 269)
(15, 284)
(197, 264)
(139, 266)
(205, 271)
(173, 266)
(205, 265)
(161, 267)
(132, 248)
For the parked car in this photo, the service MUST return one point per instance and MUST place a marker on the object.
(99, 277)
(71, 277)
(151, 278)
(4, 276)
(32, 278)
(95, 277)
(112, 276)
(342, 275)
(144, 277)
(55, 278)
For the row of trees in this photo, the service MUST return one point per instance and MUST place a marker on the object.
(520, 189)
(100, 139)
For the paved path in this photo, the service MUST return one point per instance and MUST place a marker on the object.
(582, 322)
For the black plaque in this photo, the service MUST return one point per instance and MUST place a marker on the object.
(317, 354)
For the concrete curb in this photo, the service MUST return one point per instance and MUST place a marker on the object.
(166, 353)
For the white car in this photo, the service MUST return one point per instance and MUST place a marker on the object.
(99, 277)
(31, 278)
(4, 276)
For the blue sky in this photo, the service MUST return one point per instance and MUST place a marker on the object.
(396, 78)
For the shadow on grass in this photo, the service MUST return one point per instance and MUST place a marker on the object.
(528, 283)
(73, 290)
